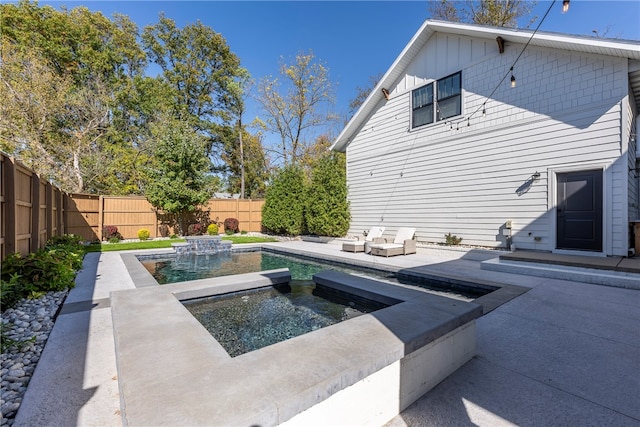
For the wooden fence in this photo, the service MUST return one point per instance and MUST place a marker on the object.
(88, 214)
(32, 211)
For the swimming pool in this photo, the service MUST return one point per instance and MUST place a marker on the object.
(170, 268)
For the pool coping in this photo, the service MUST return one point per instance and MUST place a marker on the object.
(171, 371)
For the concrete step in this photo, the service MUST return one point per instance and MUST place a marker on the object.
(619, 279)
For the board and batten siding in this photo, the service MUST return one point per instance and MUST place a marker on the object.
(565, 113)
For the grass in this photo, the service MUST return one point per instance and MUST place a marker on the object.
(161, 244)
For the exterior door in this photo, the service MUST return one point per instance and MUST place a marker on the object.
(579, 210)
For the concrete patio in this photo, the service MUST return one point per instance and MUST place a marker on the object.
(563, 353)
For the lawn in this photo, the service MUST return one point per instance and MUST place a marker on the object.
(161, 244)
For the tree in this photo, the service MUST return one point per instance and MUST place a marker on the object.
(299, 106)
(362, 93)
(235, 101)
(327, 208)
(283, 209)
(255, 165)
(33, 95)
(499, 13)
(64, 73)
(199, 65)
(179, 180)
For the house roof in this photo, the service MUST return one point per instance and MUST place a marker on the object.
(611, 47)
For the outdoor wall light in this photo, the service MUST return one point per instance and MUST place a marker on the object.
(565, 6)
(536, 176)
(385, 92)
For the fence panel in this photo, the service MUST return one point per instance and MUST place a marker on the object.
(24, 204)
(247, 212)
(42, 222)
(81, 215)
(129, 214)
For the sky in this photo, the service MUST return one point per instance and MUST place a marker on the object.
(354, 39)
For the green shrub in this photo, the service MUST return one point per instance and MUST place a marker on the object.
(143, 234)
(327, 208)
(52, 268)
(212, 229)
(71, 240)
(11, 291)
(231, 226)
(283, 209)
(452, 239)
(243, 232)
(114, 240)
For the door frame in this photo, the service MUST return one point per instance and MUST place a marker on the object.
(552, 201)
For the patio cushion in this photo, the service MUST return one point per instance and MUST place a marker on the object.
(358, 245)
(403, 234)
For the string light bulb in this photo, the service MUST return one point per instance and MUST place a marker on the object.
(513, 79)
(484, 111)
(565, 5)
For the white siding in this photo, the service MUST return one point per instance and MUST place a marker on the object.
(566, 110)
(631, 135)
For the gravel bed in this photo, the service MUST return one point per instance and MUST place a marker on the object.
(28, 325)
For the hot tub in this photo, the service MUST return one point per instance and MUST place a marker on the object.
(362, 371)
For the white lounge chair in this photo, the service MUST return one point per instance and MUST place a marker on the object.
(403, 244)
(359, 245)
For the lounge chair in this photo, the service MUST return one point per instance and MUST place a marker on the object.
(359, 245)
(403, 244)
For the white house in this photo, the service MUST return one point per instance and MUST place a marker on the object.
(445, 144)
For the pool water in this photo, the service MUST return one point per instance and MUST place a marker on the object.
(192, 267)
(173, 269)
(245, 321)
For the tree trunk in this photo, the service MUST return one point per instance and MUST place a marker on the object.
(241, 158)
(76, 170)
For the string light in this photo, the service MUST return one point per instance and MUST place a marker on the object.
(565, 8)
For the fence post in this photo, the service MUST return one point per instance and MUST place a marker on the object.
(34, 244)
(10, 205)
(65, 215)
(100, 216)
(48, 200)
(61, 225)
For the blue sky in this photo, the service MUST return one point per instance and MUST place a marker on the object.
(356, 39)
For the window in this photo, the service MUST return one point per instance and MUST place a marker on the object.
(448, 95)
(422, 106)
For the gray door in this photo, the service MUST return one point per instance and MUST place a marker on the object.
(579, 210)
